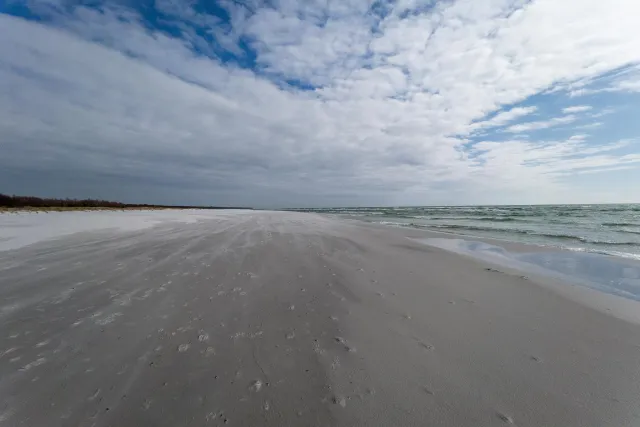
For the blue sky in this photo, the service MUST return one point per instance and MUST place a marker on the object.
(317, 103)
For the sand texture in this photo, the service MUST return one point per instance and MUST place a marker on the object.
(292, 319)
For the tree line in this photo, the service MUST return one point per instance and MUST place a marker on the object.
(7, 201)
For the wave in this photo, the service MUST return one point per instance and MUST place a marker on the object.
(539, 234)
(620, 224)
(478, 213)
(463, 218)
(534, 210)
(501, 218)
(605, 252)
(476, 216)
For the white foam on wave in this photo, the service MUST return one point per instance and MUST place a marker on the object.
(626, 255)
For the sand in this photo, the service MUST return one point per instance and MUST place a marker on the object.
(292, 319)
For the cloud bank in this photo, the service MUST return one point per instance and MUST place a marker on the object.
(320, 103)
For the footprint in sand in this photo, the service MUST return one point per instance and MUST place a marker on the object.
(505, 418)
(427, 346)
(147, 404)
(346, 345)
(428, 391)
(339, 400)
(335, 364)
(423, 344)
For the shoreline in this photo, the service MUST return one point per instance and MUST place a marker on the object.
(607, 229)
(617, 279)
(510, 242)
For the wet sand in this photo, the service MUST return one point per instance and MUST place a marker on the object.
(291, 319)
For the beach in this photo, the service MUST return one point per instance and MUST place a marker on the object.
(191, 318)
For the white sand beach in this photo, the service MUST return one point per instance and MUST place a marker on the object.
(193, 318)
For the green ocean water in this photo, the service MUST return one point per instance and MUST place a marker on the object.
(606, 229)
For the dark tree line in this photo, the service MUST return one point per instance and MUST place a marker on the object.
(37, 202)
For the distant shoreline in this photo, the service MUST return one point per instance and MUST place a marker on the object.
(37, 204)
(36, 209)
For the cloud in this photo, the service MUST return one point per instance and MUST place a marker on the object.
(551, 160)
(304, 102)
(626, 80)
(628, 85)
(576, 109)
(504, 117)
(525, 127)
(593, 125)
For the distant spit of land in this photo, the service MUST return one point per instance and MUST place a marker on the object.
(14, 203)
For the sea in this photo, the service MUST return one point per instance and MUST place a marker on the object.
(602, 229)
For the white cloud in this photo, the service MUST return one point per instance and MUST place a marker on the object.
(593, 125)
(503, 118)
(602, 113)
(628, 85)
(576, 109)
(549, 161)
(387, 121)
(625, 81)
(545, 124)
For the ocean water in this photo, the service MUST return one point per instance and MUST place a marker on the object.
(603, 229)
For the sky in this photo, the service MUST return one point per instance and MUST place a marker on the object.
(321, 102)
